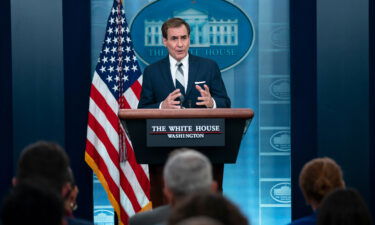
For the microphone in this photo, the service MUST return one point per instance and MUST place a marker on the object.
(189, 103)
(182, 99)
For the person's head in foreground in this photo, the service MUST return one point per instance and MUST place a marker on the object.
(187, 171)
(212, 205)
(33, 204)
(318, 178)
(344, 207)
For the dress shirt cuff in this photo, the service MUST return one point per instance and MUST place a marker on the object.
(214, 106)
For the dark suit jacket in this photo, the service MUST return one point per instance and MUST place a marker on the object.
(308, 220)
(158, 84)
(156, 216)
(75, 221)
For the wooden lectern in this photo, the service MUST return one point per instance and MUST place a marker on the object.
(154, 133)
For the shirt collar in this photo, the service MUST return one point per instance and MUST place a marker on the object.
(184, 61)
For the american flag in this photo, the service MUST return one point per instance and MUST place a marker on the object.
(116, 84)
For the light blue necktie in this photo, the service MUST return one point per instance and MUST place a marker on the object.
(180, 78)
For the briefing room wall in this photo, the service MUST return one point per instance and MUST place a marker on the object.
(44, 86)
(77, 81)
(303, 95)
(332, 90)
(372, 100)
(343, 96)
(6, 131)
(37, 72)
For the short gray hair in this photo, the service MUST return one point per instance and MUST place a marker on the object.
(187, 171)
(199, 220)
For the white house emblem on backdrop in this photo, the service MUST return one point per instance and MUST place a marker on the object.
(280, 89)
(281, 192)
(280, 141)
(204, 31)
(219, 30)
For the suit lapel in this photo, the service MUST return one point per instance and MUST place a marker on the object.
(166, 73)
(193, 67)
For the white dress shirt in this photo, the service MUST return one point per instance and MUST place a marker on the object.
(185, 68)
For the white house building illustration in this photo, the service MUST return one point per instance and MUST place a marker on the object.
(204, 31)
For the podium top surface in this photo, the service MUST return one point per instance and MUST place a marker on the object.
(240, 113)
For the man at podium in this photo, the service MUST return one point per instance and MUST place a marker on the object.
(182, 80)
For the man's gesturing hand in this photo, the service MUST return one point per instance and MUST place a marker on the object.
(205, 98)
(170, 101)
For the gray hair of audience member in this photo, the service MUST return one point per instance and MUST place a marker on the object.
(187, 171)
(210, 204)
(200, 220)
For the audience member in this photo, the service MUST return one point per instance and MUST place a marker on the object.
(344, 207)
(71, 197)
(212, 205)
(318, 178)
(32, 204)
(50, 162)
(185, 172)
(199, 220)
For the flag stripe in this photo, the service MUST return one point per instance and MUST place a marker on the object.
(129, 192)
(90, 149)
(137, 88)
(101, 103)
(105, 157)
(94, 166)
(117, 83)
(105, 124)
(124, 216)
(125, 103)
(131, 98)
(124, 185)
(106, 93)
(102, 136)
(140, 173)
(136, 186)
(114, 157)
(100, 150)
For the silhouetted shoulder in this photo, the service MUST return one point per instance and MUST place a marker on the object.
(155, 216)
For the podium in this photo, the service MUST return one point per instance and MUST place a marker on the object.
(154, 133)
